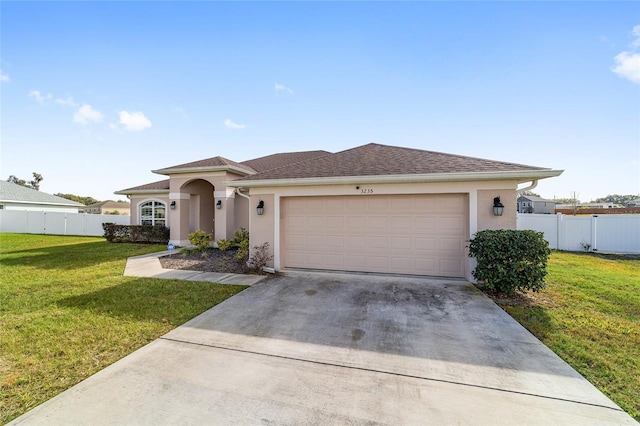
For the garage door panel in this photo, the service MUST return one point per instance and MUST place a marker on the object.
(412, 234)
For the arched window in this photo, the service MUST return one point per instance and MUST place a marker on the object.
(153, 213)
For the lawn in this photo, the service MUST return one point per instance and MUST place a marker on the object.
(589, 315)
(67, 312)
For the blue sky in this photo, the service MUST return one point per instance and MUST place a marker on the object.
(94, 95)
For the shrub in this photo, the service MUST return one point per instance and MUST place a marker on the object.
(240, 241)
(510, 261)
(200, 239)
(135, 233)
(260, 257)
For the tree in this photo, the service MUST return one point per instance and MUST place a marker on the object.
(78, 199)
(33, 184)
(531, 193)
(625, 200)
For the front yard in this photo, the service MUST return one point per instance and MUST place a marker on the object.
(590, 316)
(67, 312)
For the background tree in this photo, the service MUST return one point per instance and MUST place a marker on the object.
(34, 184)
(78, 199)
(531, 193)
(625, 200)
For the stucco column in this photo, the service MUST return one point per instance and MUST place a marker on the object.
(224, 216)
(179, 219)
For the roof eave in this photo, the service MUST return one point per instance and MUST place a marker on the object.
(205, 169)
(46, 203)
(141, 191)
(520, 176)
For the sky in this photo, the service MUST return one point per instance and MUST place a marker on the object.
(95, 95)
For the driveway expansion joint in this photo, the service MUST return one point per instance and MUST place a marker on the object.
(371, 370)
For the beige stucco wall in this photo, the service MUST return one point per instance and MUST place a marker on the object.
(263, 227)
(486, 218)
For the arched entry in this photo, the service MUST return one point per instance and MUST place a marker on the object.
(201, 208)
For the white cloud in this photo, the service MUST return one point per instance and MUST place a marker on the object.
(4, 78)
(87, 115)
(134, 121)
(628, 66)
(39, 97)
(231, 125)
(628, 62)
(66, 102)
(282, 88)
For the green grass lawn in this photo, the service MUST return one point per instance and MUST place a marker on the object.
(589, 315)
(67, 312)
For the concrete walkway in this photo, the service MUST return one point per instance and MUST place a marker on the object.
(148, 266)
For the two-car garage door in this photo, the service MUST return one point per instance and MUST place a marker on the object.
(406, 234)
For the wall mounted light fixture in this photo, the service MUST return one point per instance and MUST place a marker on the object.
(219, 204)
(260, 208)
(172, 205)
(498, 207)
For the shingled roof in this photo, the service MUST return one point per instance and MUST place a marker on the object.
(383, 160)
(208, 163)
(275, 161)
(159, 186)
(11, 192)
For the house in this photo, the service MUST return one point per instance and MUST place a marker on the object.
(18, 197)
(108, 207)
(604, 205)
(373, 208)
(533, 204)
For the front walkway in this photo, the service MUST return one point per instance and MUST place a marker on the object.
(148, 266)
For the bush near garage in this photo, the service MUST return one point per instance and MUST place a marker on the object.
(146, 234)
(510, 261)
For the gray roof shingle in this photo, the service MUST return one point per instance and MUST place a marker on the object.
(275, 161)
(11, 192)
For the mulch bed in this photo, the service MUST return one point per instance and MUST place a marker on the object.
(209, 261)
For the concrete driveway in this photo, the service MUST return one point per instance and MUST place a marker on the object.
(340, 349)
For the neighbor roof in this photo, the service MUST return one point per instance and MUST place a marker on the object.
(375, 160)
(109, 204)
(535, 198)
(11, 192)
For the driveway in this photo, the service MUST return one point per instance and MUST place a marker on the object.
(340, 349)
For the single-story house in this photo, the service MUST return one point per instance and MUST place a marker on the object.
(18, 197)
(533, 204)
(108, 207)
(373, 208)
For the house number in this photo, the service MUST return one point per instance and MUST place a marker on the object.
(366, 191)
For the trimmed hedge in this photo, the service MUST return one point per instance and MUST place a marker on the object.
(135, 233)
(509, 260)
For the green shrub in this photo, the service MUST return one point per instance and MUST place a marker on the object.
(135, 233)
(201, 240)
(240, 241)
(510, 261)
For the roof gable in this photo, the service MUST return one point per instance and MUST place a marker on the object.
(206, 164)
(11, 192)
(159, 186)
(383, 160)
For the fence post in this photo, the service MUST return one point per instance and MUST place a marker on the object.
(594, 229)
(559, 231)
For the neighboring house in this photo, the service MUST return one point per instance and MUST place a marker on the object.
(18, 197)
(108, 207)
(373, 208)
(533, 204)
(604, 205)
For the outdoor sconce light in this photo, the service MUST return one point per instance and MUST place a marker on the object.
(173, 205)
(219, 204)
(260, 208)
(498, 207)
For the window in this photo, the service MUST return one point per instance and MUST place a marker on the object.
(153, 213)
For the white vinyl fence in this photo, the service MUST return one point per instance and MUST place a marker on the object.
(604, 233)
(56, 223)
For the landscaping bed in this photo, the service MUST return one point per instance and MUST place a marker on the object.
(213, 260)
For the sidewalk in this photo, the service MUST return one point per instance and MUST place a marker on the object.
(148, 266)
